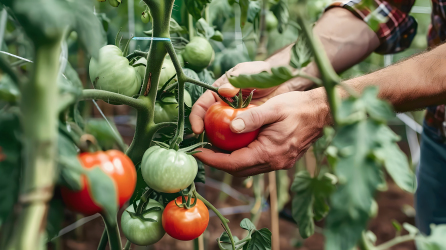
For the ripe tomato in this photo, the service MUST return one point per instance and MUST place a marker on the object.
(113, 162)
(216, 123)
(183, 223)
(168, 170)
(141, 232)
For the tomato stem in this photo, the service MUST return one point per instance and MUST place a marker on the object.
(104, 240)
(107, 96)
(137, 53)
(219, 215)
(127, 245)
(113, 234)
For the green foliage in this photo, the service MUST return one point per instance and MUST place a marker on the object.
(280, 10)
(68, 163)
(55, 218)
(196, 91)
(10, 160)
(104, 134)
(201, 174)
(207, 31)
(174, 27)
(103, 192)
(9, 92)
(301, 55)
(310, 199)
(253, 11)
(195, 7)
(244, 7)
(255, 240)
(435, 241)
(264, 79)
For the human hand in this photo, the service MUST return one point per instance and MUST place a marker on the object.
(291, 123)
(227, 90)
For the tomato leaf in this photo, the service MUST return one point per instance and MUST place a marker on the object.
(260, 239)
(244, 7)
(435, 241)
(247, 224)
(204, 29)
(196, 91)
(103, 192)
(174, 27)
(280, 10)
(10, 161)
(55, 218)
(106, 136)
(224, 242)
(310, 200)
(376, 108)
(301, 54)
(264, 79)
(195, 7)
(201, 174)
(253, 10)
(9, 91)
(68, 163)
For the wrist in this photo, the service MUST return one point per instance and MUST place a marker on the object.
(317, 101)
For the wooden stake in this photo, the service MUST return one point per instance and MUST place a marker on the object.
(275, 240)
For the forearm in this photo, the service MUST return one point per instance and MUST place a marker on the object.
(346, 39)
(415, 83)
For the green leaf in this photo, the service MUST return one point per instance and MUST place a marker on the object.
(68, 163)
(260, 240)
(105, 21)
(106, 136)
(247, 224)
(218, 36)
(9, 91)
(395, 160)
(201, 174)
(436, 240)
(196, 91)
(280, 10)
(309, 200)
(195, 7)
(301, 54)
(10, 161)
(204, 29)
(376, 108)
(69, 82)
(411, 229)
(264, 79)
(224, 242)
(103, 191)
(253, 10)
(174, 27)
(55, 218)
(359, 176)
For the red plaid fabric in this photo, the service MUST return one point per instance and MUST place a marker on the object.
(397, 29)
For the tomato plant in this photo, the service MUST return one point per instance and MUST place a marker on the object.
(217, 125)
(185, 223)
(146, 228)
(115, 164)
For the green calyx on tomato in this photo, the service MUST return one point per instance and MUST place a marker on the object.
(168, 170)
(115, 164)
(217, 122)
(198, 54)
(143, 228)
(185, 223)
(113, 72)
(145, 16)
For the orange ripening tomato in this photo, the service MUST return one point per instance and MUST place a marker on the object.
(185, 224)
(216, 123)
(115, 164)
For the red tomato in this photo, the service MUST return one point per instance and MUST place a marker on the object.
(113, 162)
(216, 123)
(183, 223)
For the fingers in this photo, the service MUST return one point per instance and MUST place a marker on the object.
(199, 109)
(254, 118)
(227, 90)
(242, 162)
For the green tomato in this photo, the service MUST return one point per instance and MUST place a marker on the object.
(140, 232)
(168, 170)
(145, 17)
(166, 110)
(167, 71)
(198, 54)
(271, 21)
(112, 72)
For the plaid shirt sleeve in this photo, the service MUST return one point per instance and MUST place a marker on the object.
(396, 28)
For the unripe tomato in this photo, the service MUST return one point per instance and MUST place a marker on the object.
(183, 223)
(216, 123)
(271, 21)
(112, 72)
(198, 54)
(145, 17)
(167, 109)
(116, 165)
(140, 232)
(167, 71)
(168, 170)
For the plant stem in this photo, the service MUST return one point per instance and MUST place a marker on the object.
(190, 22)
(113, 235)
(127, 245)
(328, 75)
(104, 240)
(316, 80)
(39, 121)
(220, 216)
(107, 96)
(395, 241)
(137, 53)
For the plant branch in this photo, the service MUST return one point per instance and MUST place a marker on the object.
(107, 96)
(127, 245)
(219, 215)
(395, 241)
(104, 240)
(137, 53)
(113, 235)
(316, 80)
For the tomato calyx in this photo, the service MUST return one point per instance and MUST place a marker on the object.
(186, 202)
(141, 217)
(140, 209)
(187, 150)
(237, 102)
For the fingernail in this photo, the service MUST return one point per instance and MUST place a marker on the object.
(238, 125)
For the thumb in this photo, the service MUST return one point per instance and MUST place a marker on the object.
(254, 118)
